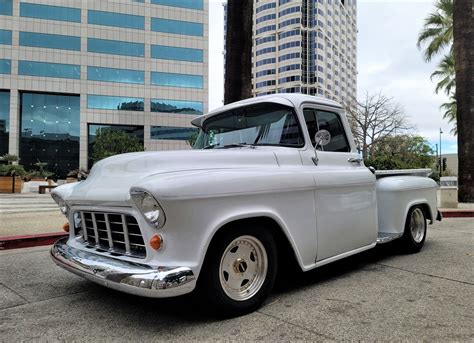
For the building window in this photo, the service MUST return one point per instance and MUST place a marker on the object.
(289, 34)
(259, 41)
(173, 133)
(265, 61)
(265, 83)
(289, 56)
(127, 21)
(265, 18)
(177, 106)
(265, 51)
(115, 103)
(292, 21)
(175, 53)
(115, 47)
(289, 68)
(50, 12)
(289, 11)
(6, 7)
(192, 4)
(4, 121)
(94, 129)
(50, 131)
(43, 69)
(115, 75)
(5, 37)
(265, 72)
(44, 40)
(265, 7)
(289, 45)
(176, 80)
(177, 27)
(289, 79)
(5, 66)
(265, 29)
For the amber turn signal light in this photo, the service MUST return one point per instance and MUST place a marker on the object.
(156, 242)
(66, 227)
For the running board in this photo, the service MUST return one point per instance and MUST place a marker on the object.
(385, 237)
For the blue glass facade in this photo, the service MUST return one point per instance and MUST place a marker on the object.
(5, 66)
(171, 133)
(5, 37)
(128, 21)
(4, 121)
(115, 75)
(6, 7)
(43, 40)
(43, 69)
(177, 27)
(50, 12)
(114, 47)
(192, 4)
(176, 106)
(176, 80)
(175, 53)
(115, 103)
(50, 131)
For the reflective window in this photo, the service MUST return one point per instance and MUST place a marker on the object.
(50, 12)
(176, 106)
(115, 47)
(5, 66)
(50, 132)
(5, 37)
(173, 133)
(115, 75)
(4, 121)
(322, 120)
(176, 26)
(193, 4)
(6, 7)
(67, 71)
(94, 129)
(175, 53)
(43, 40)
(115, 103)
(116, 19)
(176, 80)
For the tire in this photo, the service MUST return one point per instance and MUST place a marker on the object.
(239, 271)
(414, 235)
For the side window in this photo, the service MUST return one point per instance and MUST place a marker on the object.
(310, 120)
(331, 122)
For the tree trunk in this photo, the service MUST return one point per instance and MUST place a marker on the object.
(464, 65)
(238, 61)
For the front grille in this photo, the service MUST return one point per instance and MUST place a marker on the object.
(116, 233)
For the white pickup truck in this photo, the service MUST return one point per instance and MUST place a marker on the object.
(271, 179)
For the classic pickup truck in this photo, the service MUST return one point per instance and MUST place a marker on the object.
(270, 179)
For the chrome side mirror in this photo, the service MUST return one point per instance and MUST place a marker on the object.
(321, 138)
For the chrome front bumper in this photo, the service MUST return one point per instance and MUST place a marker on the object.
(129, 277)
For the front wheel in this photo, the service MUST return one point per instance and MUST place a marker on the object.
(414, 235)
(239, 271)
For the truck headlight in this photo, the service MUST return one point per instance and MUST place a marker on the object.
(149, 207)
(61, 203)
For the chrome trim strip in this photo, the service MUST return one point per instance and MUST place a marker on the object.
(96, 232)
(84, 226)
(129, 277)
(109, 231)
(125, 236)
(385, 237)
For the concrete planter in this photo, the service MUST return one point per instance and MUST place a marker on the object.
(6, 184)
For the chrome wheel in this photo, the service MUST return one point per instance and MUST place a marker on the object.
(417, 225)
(243, 268)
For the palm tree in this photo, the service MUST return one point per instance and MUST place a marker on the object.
(446, 74)
(437, 33)
(450, 109)
(464, 65)
(238, 58)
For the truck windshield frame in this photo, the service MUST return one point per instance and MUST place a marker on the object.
(263, 124)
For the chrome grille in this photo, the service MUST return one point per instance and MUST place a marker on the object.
(112, 232)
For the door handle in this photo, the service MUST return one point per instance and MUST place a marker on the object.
(354, 160)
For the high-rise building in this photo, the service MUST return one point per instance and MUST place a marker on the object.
(71, 68)
(305, 46)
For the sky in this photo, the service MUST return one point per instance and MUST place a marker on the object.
(388, 61)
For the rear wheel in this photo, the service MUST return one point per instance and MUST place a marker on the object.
(414, 235)
(239, 271)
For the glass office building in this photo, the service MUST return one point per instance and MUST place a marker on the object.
(70, 69)
(305, 46)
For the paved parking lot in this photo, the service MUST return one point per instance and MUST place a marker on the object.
(375, 295)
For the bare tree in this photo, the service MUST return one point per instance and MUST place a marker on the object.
(373, 119)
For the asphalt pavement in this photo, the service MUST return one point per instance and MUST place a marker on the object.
(376, 295)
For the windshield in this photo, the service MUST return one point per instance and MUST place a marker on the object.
(261, 124)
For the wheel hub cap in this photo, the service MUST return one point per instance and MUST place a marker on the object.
(417, 225)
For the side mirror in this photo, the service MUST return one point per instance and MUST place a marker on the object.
(321, 138)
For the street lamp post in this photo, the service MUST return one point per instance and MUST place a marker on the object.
(440, 155)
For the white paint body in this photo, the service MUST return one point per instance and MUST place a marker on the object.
(327, 211)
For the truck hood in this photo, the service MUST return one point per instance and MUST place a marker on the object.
(110, 180)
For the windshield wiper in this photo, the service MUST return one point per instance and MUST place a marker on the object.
(232, 145)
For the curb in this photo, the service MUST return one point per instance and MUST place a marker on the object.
(28, 241)
(457, 213)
